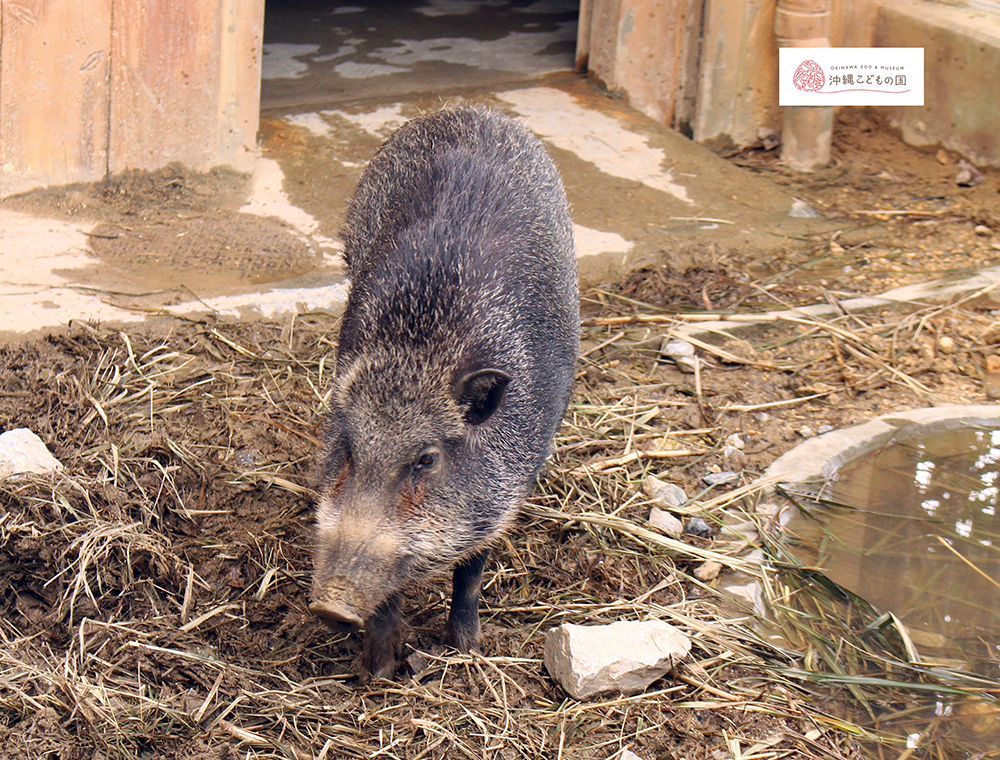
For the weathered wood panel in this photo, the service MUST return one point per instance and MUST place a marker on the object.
(240, 63)
(636, 47)
(738, 90)
(852, 23)
(53, 92)
(164, 83)
(185, 82)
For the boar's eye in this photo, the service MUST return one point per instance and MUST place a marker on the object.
(425, 462)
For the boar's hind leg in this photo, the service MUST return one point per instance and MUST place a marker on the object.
(383, 641)
(462, 631)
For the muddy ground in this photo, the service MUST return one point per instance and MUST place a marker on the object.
(154, 593)
(157, 229)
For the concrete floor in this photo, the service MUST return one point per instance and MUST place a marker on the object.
(337, 80)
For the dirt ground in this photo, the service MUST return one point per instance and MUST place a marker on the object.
(158, 229)
(154, 603)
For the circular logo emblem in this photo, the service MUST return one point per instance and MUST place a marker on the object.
(809, 77)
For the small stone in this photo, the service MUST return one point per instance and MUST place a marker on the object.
(723, 478)
(735, 458)
(676, 347)
(769, 137)
(627, 656)
(968, 175)
(823, 429)
(736, 441)
(708, 571)
(993, 364)
(982, 230)
(21, 451)
(802, 210)
(682, 354)
(942, 157)
(418, 662)
(806, 432)
(696, 526)
(687, 364)
(666, 522)
(666, 493)
(945, 344)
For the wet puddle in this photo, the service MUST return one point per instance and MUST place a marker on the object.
(913, 529)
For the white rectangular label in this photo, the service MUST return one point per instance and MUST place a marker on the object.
(850, 76)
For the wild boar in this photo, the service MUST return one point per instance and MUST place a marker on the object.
(454, 369)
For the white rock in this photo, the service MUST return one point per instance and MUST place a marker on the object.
(682, 354)
(628, 754)
(736, 441)
(626, 656)
(668, 493)
(801, 209)
(22, 451)
(946, 345)
(666, 522)
(677, 347)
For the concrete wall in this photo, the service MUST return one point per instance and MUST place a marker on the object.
(706, 67)
(710, 68)
(94, 87)
(961, 76)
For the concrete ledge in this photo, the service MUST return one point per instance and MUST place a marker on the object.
(818, 459)
(961, 85)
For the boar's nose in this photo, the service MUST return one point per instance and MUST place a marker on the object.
(337, 616)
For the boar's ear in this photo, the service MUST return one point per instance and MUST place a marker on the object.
(479, 394)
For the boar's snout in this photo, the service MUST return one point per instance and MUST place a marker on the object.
(339, 617)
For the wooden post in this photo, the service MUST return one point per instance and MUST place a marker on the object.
(53, 92)
(635, 47)
(95, 87)
(185, 83)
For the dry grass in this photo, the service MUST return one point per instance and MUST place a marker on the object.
(155, 596)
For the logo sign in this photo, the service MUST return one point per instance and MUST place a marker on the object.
(850, 76)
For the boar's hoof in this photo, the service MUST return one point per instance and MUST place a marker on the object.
(337, 616)
(463, 634)
(376, 663)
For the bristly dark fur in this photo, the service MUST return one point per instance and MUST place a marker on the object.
(458, 346)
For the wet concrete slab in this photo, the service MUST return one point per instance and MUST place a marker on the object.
(336, 82)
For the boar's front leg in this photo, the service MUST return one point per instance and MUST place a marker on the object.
(383, 641)
(462, 631)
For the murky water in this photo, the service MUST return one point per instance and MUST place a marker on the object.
(914, 529)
